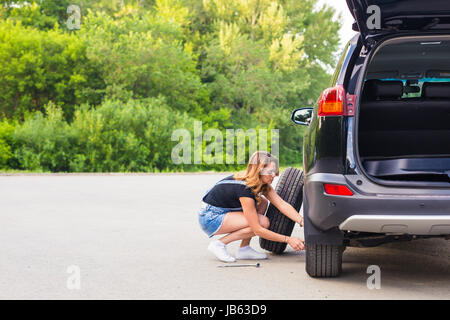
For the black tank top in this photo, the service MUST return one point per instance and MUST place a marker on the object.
(226, 193)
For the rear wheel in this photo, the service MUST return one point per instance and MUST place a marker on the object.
(290, 189)
(323, 260)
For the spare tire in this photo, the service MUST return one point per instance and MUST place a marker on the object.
(290, 189)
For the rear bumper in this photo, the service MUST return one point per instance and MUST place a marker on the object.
(403, 224)
(375, 208)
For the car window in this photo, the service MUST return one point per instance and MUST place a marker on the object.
(339, 65)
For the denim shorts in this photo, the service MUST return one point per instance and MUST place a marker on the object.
(211, 218)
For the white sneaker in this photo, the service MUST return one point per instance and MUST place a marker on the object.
(247, 253)
(220, 251)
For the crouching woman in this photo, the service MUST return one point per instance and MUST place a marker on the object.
(235, 207)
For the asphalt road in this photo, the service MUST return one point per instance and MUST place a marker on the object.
(137, 237)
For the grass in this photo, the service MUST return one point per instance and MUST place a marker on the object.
(19, 171)
(196, 170)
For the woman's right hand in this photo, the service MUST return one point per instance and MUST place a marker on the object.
(296, 243)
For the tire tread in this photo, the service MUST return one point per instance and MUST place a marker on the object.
(323, 260)
(289, 188)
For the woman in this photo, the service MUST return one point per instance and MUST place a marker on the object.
(235, 206)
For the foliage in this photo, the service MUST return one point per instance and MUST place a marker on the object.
(108, 96)
(29, 16)
(37, 67)
(6, 142)
(142, 56)
(125, 137)
(45, 141)
(115, 136)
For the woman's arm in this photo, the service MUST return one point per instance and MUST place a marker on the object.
(249, 209)
(284, 207)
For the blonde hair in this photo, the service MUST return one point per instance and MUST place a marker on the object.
(252, 174)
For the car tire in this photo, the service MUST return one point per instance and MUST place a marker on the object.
(323, 261)
(290, 189)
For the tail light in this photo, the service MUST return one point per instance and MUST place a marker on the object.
(337, 189)
(331, 101)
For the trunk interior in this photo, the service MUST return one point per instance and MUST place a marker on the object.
(404, 114)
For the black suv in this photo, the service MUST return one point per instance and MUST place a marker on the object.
(376, 154)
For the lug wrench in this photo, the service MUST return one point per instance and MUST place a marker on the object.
(240, 265)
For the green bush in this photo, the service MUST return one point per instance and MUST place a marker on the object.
(114, 137)
(142, 55)
(125, 137)
(135, 136)
(6, 143)
(44, 142)
(37, 67)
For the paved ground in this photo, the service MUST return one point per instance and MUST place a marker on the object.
(137, 237)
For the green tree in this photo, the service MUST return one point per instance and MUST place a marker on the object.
(141, 55)
(29, 16)
(264, 58)
(41, 66)
(229, 63)
(50, 10)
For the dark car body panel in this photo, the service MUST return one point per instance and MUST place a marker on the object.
(324, 143)
(328, 211)
(330, 150)
(398, 15)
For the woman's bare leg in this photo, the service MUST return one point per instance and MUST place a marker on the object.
(241, 234)
(236, 225)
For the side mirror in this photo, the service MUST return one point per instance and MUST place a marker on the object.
(302, 116)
